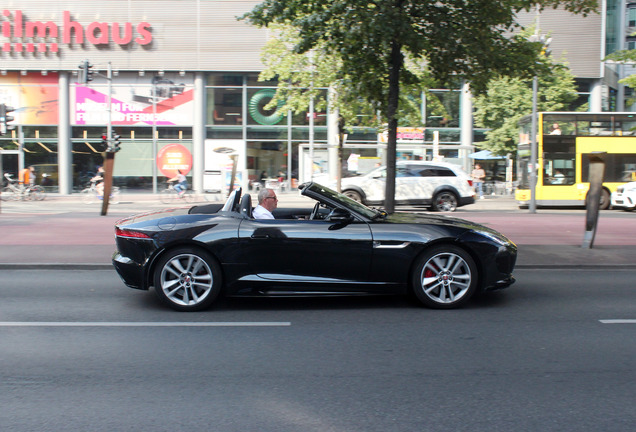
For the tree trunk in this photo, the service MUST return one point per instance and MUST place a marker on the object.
(391, 150)
(109, 164)
(341, 136)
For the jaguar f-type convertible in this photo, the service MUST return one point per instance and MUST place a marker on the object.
(190, 256)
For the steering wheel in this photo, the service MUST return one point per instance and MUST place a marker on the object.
(314, 212)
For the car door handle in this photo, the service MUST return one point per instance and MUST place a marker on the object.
(260, 236)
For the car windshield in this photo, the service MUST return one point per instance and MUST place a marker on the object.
(342, 200)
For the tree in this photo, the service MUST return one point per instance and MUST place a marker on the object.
(457, 39)
(625, 57)
(304, 76)
(506, 100)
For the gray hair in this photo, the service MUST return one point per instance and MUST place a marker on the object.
(262, 194)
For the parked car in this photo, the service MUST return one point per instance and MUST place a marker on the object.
(190, 256)
(440, 186)
(624, 197)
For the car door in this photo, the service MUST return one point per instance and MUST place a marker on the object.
(429, 178)
(306, 250)
(406, 184)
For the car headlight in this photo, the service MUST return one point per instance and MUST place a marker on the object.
(496, 237)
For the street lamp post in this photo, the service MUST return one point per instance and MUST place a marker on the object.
(533, 148)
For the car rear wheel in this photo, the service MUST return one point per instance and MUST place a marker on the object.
(187, 279)
(353, 195)
(445, 202)
(444, 277)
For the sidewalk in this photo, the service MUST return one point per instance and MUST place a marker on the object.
(61, 231)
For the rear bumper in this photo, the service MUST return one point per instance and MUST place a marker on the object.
(465, 201)
(130, 272)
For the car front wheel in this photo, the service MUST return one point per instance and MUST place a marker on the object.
(445, 202)
(187, 279)
(444, 277)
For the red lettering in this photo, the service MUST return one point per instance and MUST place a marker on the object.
(117, 34)
(145, 37)
(6, 26)
(69, 26)
(97, 33)
(17, 24)
(31, 27)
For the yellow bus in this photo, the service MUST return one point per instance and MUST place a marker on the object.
(564, 141)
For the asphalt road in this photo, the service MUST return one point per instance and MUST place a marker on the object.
(82, 352)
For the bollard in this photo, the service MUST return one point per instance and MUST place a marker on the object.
(593, 201)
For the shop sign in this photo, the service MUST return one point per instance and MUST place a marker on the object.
(410, 133)
(32, 36)
(174, 157)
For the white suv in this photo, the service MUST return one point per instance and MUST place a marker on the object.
(442, 186)
(625, 197)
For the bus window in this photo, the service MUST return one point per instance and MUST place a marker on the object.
(558, 160)
(618, 167)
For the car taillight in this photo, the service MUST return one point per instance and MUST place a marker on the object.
(130, 234)
(470, 183)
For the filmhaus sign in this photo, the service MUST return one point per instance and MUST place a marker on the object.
(25, 36)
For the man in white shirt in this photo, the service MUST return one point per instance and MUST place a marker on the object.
(267, 202)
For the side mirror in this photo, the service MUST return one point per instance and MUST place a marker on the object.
(340, 215)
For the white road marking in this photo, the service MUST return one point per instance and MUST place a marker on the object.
(618, 321)
(142, 324)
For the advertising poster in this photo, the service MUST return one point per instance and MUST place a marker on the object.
(173, 158)
(136, 100)
(34, 97)
(220, 157)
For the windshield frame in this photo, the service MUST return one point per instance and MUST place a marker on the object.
(328, 196)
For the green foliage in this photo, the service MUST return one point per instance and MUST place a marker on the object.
(456, 39)
(507, 100)
(628, 57)
(303, 76)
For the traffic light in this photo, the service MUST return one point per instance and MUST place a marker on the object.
(115, 143)
(6, 119)
(105, 143)
(86, 72)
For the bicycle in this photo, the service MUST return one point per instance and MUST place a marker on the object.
(170, 195)
(18, 191)
(91, 195)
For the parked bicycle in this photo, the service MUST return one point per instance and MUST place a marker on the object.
(171, 196)
(92, 194)
(15, 190)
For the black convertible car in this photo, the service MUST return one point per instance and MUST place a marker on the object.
(339, 247)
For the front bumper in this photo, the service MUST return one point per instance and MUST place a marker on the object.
(623, 200)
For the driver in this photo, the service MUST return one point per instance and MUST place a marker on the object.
(267, 202)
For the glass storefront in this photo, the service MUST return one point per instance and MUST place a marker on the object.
(152, 111)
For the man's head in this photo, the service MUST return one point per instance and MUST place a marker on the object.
(267, 199)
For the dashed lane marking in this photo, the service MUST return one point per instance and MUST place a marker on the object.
(618, 321)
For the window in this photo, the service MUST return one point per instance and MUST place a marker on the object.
(436, 172)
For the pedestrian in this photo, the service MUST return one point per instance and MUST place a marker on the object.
(479, 175)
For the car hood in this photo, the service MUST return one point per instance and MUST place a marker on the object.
(431, 219)
(412, 218)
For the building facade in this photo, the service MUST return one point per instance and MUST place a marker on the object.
(178, 81)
